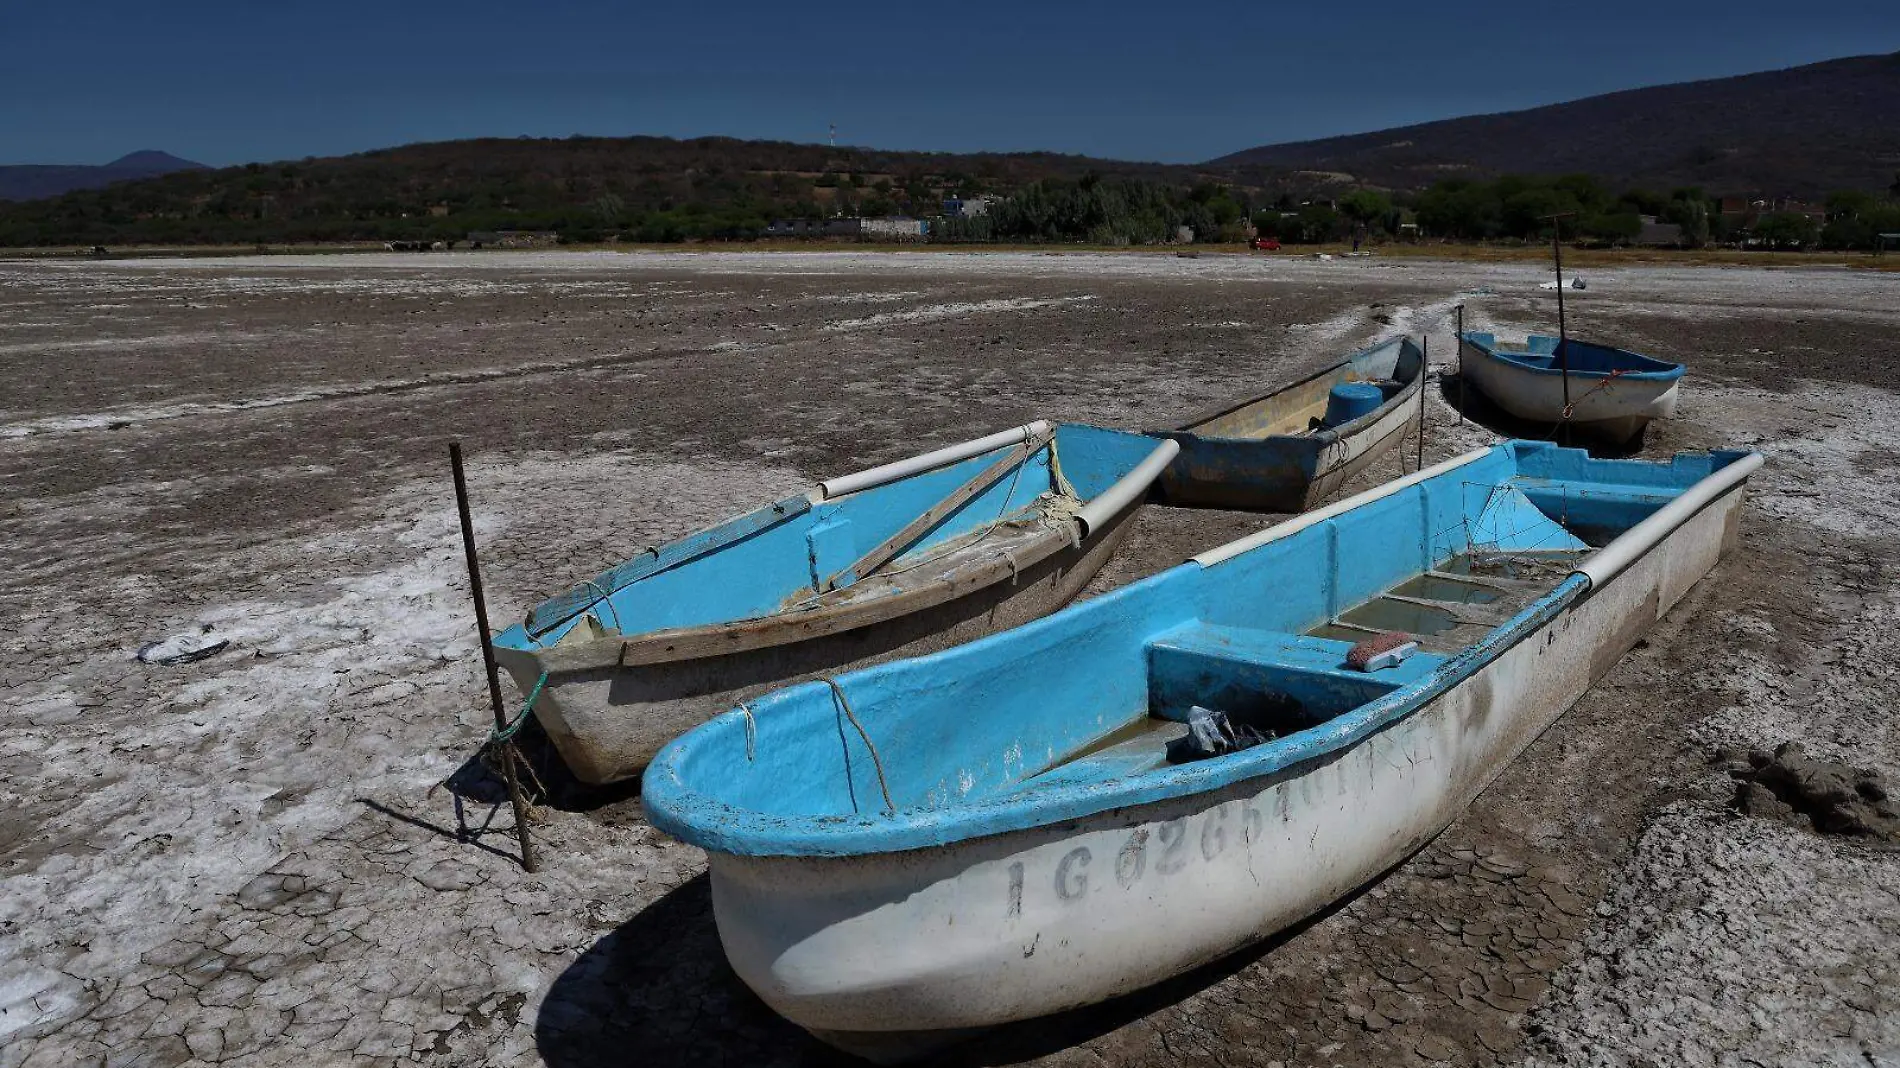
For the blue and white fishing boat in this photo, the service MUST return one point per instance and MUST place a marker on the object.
(1611, 394)
(1010, 828)
(914, 555)
(1290, 449)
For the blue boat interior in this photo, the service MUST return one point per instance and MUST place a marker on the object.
(1075, 712)
(1539, 352)
(799, 554)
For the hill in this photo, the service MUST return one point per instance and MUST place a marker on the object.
(1802, 131)
(1664, 151)
(652, 188)
(35, 181)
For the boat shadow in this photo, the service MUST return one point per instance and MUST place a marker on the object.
(546, 779)
(658, 990)
(1470, 401)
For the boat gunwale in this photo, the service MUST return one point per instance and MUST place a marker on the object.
(752, 833)
(733, 529)
(792, 625)
(1320, 438)
(1667, 372)
(717, 826)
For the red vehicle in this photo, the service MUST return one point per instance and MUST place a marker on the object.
(1264, 244)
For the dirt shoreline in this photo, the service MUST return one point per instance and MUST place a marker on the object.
(243, 860)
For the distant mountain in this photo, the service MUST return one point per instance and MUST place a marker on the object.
(35, 181)
(1798, 132)
(1802, 131)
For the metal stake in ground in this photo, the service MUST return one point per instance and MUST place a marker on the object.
(488, 660)
(1563, 331)
(1460, 346)
(1424, 376)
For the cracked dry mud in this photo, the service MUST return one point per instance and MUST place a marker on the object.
(248, 860)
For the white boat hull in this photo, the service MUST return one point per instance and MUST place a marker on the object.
(891, 954)
(1614, 409)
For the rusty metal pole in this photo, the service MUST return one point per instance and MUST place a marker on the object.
(1563, 330)
(1424, 374)
(1460, 346)
(488, 659)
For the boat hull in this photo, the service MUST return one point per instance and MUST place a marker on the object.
(1237, 460)
(608, 718)
(1614, 410)
(1280, 474)
(889, 955)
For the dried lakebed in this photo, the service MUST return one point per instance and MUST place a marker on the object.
(248, 859)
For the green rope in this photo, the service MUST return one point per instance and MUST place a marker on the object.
(507, 734)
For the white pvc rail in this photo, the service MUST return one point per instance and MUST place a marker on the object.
(1112, 500)
(949, 454)
(1607, 562)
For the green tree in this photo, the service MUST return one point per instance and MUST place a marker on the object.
(1691, 213)
(1319, 222)
(1644, 202)
(1612, 227)
(1367, 207)
(1850, 202)
(1786, 229)
(1460, 208)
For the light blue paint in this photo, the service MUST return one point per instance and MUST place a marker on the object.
(1539, 354)
(1512, 522)
(752, 566)
(962, 732)
(831, 543)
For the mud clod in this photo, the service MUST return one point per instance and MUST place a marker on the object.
(1831, 797)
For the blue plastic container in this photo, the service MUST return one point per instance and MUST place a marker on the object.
(1350, 400)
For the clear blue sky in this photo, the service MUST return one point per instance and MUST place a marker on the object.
(224, 82)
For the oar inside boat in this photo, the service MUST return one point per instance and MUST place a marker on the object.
(1037, 798)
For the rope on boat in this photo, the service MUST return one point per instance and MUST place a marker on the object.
(503, 735)
(1061, 481)
(1615, 373)
(751, 731)
(1067, 503)
(495, 747)
(876, 762)
(608, 599)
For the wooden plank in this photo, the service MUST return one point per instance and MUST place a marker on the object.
(691, 643)
(1459, 611)
(1505, 584)
(890, 547)
(572, 602)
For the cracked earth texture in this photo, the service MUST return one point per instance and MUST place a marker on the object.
(252, 860)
